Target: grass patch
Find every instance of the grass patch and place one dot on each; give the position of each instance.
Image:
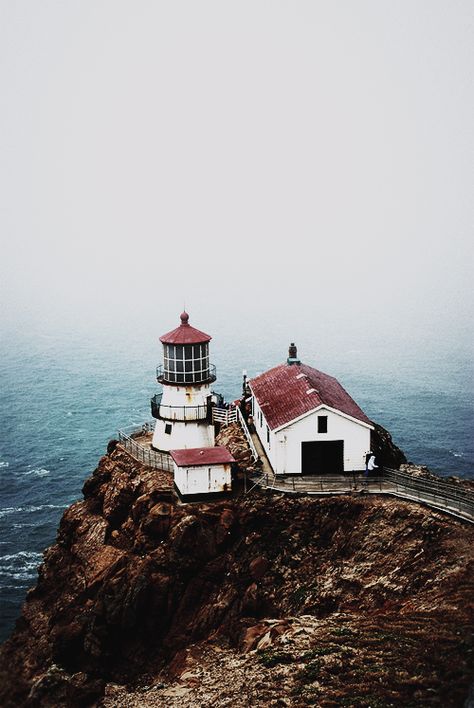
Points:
(310, 672)
(320, 651)
(270, 657)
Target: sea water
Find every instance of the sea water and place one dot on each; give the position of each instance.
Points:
(65, 395)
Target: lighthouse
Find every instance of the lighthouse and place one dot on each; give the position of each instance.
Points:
(183, 410)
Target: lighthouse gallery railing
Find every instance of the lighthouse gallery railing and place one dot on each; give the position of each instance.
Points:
(178, 413)
(185, 377)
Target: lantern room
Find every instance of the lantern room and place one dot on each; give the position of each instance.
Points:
(185, 356)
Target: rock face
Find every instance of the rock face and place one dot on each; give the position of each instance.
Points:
(387, 454)
(234, 440)
(258, 600)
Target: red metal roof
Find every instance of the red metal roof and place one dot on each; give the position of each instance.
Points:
(197, 456)
(287, 392)
(185, 334)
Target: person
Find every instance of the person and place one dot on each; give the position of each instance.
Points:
(371, 464)
(367, 458)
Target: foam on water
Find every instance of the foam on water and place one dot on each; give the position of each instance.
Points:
(41, 472)
(6, 511)
(20, 566)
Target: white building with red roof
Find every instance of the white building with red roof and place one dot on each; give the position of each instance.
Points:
(202, 473)
(183, 408)
(307, 422)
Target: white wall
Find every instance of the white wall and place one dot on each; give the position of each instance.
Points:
(287, 442)
(284, 448)
(203, 479)
(261, 428)
(185, 395)
(183, 435)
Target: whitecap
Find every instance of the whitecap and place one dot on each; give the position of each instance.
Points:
(69, 413)
(40, 472)
(456, 454)
(21, 565)
(4, 464)
(28, 509)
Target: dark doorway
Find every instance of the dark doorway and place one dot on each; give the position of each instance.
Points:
(322, 457)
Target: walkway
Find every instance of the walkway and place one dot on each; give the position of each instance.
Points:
(438, 494)
(137, 441)
(266, 467)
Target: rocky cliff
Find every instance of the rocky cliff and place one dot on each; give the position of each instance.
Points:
(257, 600)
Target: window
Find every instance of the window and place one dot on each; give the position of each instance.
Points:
(268, 435)
(192, 360)
(168, 428)
(322, 423)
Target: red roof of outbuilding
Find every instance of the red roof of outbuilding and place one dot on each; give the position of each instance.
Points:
(288, 391)
(185, 334)
(196, 456)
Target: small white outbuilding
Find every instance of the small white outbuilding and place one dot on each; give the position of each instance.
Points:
(202, 472)
(307, 422)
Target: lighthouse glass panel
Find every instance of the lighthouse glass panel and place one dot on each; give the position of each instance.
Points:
(186, 364)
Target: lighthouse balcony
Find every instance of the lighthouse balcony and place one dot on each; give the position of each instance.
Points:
(185, 377)
(179, 413)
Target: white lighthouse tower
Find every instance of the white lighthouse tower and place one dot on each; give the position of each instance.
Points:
(183, 410)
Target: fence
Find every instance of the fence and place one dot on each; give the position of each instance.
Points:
(436, 492)
(439, 494)
(225, 416)
(178, 413)
(243, 425)
(142, 453)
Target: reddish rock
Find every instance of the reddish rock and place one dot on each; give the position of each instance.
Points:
(136, 579)
(258, 567)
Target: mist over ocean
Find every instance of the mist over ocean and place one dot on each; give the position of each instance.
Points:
(65, 393)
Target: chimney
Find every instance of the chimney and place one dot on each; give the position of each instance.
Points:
(292, 355)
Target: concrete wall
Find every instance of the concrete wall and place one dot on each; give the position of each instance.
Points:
(202, 480)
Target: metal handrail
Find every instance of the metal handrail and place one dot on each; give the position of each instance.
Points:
(187, 377)
(440, 495)
(178, 413)
(138, 430)
(149, 457)
(248, 437)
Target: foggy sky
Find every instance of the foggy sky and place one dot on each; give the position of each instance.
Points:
(300, 162)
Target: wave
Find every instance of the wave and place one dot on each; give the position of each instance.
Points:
(21, 565)
(40, 472)
(28, 509)
(4, 464)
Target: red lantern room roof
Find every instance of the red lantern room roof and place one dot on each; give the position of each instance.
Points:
(185, 334)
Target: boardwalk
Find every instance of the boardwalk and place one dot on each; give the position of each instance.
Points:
(438, 494)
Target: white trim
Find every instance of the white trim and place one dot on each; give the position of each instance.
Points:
(318, 408)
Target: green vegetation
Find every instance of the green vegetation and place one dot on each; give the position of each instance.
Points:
(310, 672)
(270, 658)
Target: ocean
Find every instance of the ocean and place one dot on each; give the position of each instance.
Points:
(65, 393)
